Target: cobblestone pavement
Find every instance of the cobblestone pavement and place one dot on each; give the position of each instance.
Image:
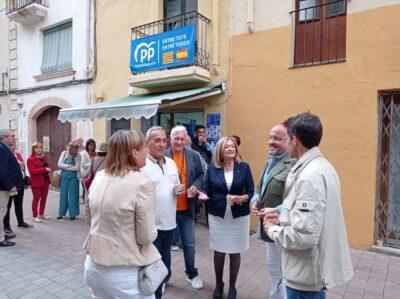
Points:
(47, 262)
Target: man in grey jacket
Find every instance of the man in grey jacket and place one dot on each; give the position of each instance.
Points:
(191, 177)
(311, 229)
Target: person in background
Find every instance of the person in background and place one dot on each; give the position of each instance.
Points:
(18, 199)
(237, 139)
(39, 169)
(200, 144)
(90, 148)
(227, 191)
(70, 165)
(11, 180)
(84, 166)
(191, 176)
(121, 212)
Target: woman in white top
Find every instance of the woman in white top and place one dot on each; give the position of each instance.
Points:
(227, 190)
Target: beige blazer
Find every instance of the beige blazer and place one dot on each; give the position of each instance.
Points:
(121, 212)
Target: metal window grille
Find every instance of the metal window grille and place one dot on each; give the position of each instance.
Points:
(14, 5)
(387, 213)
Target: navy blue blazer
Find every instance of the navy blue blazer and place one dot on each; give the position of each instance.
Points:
(215, 188)
(10, 171)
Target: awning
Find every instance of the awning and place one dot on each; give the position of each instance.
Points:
(136, 106)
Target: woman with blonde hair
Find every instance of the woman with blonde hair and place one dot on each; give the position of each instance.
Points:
(39, 169)
(121, 213)
(70, 165)
(227, 190)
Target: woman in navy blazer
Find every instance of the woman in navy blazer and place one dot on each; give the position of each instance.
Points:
(227, 189)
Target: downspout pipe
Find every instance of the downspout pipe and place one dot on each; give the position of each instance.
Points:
(250, 16)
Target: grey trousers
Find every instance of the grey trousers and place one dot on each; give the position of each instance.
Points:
(4, 196)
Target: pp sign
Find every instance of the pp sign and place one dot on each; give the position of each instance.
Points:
(171, 48)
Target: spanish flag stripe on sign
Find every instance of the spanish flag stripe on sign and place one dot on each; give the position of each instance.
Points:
(182, 54)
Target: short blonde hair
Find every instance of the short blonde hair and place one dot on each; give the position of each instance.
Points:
(35, 145)
(218, 156)
(120, 159)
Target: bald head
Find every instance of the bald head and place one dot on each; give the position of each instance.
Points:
(277, 140)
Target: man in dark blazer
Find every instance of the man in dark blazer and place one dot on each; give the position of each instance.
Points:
(269, 194)
(191, 176)
(11, 179)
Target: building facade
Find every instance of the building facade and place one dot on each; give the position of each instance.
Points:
(51, 66)
(208, 20)
(4, 99)
(339, 60)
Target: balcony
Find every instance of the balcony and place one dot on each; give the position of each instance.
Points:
(196, 72)
(26, 11)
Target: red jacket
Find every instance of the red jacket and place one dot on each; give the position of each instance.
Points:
(38, 172)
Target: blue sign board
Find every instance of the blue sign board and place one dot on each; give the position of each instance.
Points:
(213, 129)
(171, 48)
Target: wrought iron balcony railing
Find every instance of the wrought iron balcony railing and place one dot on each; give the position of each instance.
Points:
(200, 22)
(14, 5)
(320, 32)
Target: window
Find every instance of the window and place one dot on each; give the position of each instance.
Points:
(173, 8)
(189, 119)
(308, 11)
(57, 49)
(120, 124)
(320, 31)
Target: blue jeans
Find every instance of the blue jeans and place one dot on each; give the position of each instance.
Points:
(297, 294)
(175, 237)
(163, 244)
(185, 222)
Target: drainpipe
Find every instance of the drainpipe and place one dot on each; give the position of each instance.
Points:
(215, 38)
(250, 16)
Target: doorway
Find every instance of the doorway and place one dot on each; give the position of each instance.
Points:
(387, 214)
(53, 134)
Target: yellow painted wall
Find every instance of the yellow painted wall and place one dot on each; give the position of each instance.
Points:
(263, 91)
(114, 20)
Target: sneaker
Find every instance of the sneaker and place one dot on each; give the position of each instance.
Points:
(45, 217)
(175, 248)
(36, 219)
(163, 288)
(195, 282)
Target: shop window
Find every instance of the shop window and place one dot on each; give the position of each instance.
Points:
(120, 124)
(57, 49)
(320, 31)
(189, 119)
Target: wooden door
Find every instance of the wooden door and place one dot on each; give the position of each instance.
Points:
(57, 133)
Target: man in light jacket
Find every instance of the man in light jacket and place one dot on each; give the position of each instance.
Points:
(311, 229)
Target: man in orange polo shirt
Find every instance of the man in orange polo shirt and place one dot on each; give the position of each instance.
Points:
(191, 176)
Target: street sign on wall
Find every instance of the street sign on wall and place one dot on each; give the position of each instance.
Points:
(171, 48)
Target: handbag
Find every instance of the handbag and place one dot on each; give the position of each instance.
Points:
(27, 181)
(55, 182)
(150, 277)
(90, 177)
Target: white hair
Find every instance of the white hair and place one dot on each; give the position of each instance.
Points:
(151, 130)
(177, 129)
(5, 133)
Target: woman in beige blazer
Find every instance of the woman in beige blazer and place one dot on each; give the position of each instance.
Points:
(121, 212)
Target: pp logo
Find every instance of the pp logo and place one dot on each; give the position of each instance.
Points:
(145, 51)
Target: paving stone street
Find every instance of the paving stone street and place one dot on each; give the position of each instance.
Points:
(47, 262)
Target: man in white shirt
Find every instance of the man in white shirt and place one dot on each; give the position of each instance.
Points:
(163, 172)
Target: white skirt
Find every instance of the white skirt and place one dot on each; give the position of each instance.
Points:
(112, 282)
(229, 235)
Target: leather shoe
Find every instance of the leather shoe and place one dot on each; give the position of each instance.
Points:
(25, 225)
(6, 243)
(9, 236)
(8, 231)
